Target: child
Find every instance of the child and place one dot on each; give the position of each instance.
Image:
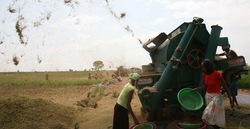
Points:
(213, 80)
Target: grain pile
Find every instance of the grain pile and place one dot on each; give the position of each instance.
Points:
(25, 113)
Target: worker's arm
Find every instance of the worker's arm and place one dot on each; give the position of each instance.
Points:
(130, 96)
(232, 54)
(200, 88)
(221, 54)
(224, 85)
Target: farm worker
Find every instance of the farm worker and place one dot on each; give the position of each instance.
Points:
(234, 89)
(89, 76)
(229, 75)
(213, 81)
(123, 105)
(230, 72)
(227, 52)
(47, 76)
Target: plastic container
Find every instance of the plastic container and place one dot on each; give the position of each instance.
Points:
(189, 125)
(148, 125)
(189, 99)
(186, 125)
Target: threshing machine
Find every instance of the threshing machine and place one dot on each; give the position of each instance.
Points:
(176, 64)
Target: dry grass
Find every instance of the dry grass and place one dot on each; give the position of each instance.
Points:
(238, 118)
(92, 97)
(25, 113)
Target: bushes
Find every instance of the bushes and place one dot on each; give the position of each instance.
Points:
(244, 82)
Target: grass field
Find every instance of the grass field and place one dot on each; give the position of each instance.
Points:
(70, 78)
(244, 82)
(53, 78)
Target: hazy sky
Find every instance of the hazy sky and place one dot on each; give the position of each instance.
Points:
(72, 34)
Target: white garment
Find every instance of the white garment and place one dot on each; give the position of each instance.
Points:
(214, 113)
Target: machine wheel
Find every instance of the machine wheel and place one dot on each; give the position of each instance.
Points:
(194, 58)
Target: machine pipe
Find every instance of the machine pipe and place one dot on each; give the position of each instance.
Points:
(213, 42)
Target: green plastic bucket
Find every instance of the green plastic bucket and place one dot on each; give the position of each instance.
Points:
(181, 124)
(189, 125)
(189, 99)
(144, 126)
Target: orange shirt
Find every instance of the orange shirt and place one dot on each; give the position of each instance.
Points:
(212, 82)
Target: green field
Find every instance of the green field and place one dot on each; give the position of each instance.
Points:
(54, 78)
(71, 78)
(244, 82)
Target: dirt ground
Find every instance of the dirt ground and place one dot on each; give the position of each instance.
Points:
(66, 97)
(60, 106)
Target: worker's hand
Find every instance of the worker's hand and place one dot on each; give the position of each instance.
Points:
(195, 89)
(136, 121)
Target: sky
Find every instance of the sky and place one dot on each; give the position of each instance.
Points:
(60, 35)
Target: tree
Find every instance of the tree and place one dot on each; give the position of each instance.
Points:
(122, 71)
(98, 65)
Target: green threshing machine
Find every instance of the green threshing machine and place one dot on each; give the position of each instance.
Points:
(176, 64)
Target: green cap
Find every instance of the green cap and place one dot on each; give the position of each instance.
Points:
(134, 76)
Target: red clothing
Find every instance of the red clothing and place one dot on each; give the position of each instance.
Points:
(212, 82)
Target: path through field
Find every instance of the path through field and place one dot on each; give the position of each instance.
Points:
(243, 98)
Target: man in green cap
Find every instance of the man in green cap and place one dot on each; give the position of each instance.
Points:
(123, 105)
